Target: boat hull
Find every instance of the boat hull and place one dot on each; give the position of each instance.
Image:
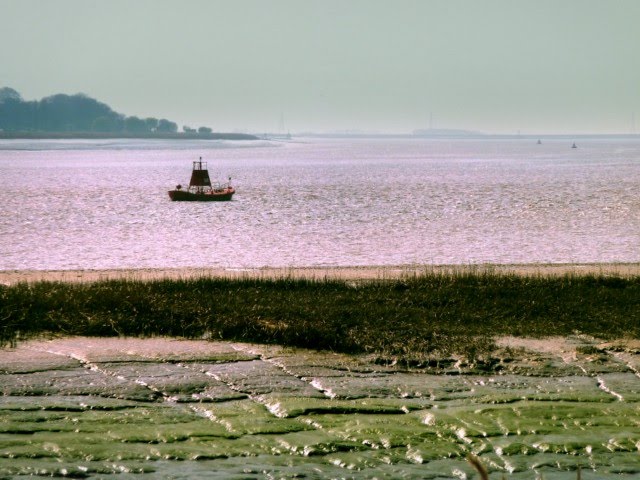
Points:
(185, 196)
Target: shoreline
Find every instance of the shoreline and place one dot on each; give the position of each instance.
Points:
(389, 272)
(125, 136)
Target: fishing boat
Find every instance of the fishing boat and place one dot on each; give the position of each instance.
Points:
(201, 189)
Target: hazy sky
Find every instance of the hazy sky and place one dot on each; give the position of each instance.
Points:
(535, 66)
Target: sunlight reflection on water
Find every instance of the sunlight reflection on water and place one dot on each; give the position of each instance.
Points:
(69, 205)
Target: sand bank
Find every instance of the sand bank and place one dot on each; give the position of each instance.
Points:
(9, 277)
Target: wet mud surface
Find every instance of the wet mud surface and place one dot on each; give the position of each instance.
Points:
(164, 408)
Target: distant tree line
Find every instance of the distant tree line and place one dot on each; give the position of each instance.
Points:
(73, 113)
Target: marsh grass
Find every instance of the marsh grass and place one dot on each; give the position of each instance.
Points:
(410, 319)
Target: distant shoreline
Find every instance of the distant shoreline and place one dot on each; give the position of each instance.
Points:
(119, 135)
(347, 273)
(474, 136)
(247, 136)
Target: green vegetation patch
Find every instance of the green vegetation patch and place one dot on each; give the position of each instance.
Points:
(407, 320)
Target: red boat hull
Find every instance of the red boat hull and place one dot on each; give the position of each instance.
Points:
(213, 196)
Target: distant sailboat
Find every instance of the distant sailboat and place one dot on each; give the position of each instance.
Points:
(539, 142)
(574, 145)
(280, 135)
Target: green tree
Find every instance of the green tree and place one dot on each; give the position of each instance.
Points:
(135, 125)
(7, 93)
(107, 123)
(165, 126)
(152, 124)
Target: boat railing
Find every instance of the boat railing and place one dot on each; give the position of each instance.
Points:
(199, 165)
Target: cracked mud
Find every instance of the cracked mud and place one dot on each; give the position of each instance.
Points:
(165, 408)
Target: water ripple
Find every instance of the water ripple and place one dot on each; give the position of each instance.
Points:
(377, 202)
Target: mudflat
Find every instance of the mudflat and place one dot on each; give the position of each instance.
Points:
(9, 277)
(166, 408)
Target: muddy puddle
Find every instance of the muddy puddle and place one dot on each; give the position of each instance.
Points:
(164, 408)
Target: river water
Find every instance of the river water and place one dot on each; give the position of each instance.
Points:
(319, 202)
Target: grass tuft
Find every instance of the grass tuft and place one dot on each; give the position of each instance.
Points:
(409, 320)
